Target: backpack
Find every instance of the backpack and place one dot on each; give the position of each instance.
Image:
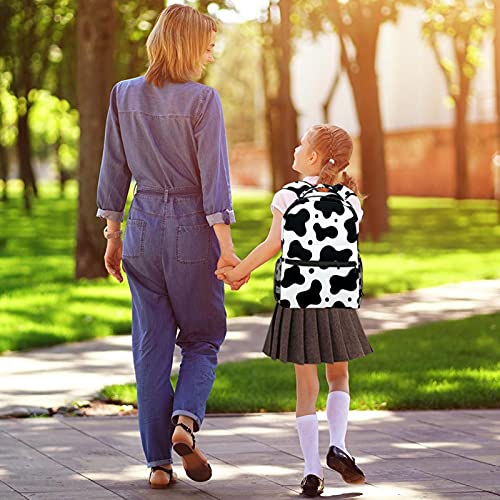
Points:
(320, 265)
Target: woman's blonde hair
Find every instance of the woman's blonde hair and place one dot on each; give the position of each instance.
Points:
(177, 43)
(334, 147)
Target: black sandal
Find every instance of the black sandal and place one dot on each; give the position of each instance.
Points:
(171, 478)
(195, 463)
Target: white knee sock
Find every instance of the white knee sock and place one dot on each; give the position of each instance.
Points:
(307, 428)
(337, 413)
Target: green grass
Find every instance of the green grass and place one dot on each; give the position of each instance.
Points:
(433, 241)
(448, 364)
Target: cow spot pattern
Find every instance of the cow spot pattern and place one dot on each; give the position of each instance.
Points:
(349, 282)
(297, 222)
(331, 254)
(292, 276)
(297, 251)
(311, 296)
(320, 227)
(328, 206)
(323, 233)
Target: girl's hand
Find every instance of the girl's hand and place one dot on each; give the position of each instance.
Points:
(231, 275)
(113, 258)
(221, 272)
(236, 284)
(230, 260)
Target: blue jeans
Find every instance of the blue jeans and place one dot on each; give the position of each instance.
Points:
(170, 254)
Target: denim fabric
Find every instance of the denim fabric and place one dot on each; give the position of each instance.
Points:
(172, 141)
(169, 254)
(171, 136)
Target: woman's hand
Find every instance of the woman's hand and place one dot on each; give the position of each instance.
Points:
(113, 258)
(228, 274)
(231, 260)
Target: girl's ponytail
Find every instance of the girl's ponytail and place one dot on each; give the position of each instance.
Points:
(334, 145)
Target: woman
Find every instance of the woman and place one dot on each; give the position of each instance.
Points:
(167, 131)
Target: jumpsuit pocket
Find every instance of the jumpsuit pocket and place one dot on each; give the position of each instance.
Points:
(193, 243)
(133, 244)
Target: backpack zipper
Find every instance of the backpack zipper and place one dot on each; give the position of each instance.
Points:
(320, 263)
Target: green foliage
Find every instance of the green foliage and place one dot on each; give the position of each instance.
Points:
(353, 17)
(136, 19)
(53, 124)
(31, 48)
(448, 364)
(464, 25)
(8, 110)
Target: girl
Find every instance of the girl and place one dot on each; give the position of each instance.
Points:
(295, 335)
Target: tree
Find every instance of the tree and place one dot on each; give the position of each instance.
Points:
(136, 19)
(96, 28)
(280, 113)
(357, 24)
(29, 52)
(464, 25)
(496, 28)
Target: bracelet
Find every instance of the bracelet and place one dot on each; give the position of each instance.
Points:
(112, 236)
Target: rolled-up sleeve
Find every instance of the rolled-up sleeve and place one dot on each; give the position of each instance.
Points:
(115, 176)
(213, 163)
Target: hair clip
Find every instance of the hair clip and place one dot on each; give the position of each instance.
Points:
(332, 161)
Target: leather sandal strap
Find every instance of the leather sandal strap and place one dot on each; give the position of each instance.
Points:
(189, 431)
(170, 472)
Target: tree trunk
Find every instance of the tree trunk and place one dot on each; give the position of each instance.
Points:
(286, 119)
(460, 132)
(96, 33)
(24, 155)
(157, 5)
(331, 91)
(363, 79)
(270, 110)
(62, 173)
(281, 116)
(460, 140)
(496, 30)
(4, 171)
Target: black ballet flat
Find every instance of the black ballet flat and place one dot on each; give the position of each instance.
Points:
(312, 486)
(345, 465)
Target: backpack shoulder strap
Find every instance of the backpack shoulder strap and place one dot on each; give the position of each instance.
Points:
(344, 191)
(298, 188)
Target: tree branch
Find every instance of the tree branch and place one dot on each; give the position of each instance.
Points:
(447, 76)
(333, 88)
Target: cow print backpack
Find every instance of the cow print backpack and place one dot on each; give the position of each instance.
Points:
(320, 264)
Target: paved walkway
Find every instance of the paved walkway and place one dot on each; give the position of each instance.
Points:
(405, 455)
(58, 375)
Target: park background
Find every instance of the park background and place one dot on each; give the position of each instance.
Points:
(416, 83)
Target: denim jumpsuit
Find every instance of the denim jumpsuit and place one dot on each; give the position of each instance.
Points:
(172, 141)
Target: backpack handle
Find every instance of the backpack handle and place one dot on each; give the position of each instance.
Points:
(332, 189)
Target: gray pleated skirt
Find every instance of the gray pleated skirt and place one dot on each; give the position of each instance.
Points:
(313, 336)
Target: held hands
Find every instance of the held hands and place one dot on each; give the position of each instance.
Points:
(225, 272)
